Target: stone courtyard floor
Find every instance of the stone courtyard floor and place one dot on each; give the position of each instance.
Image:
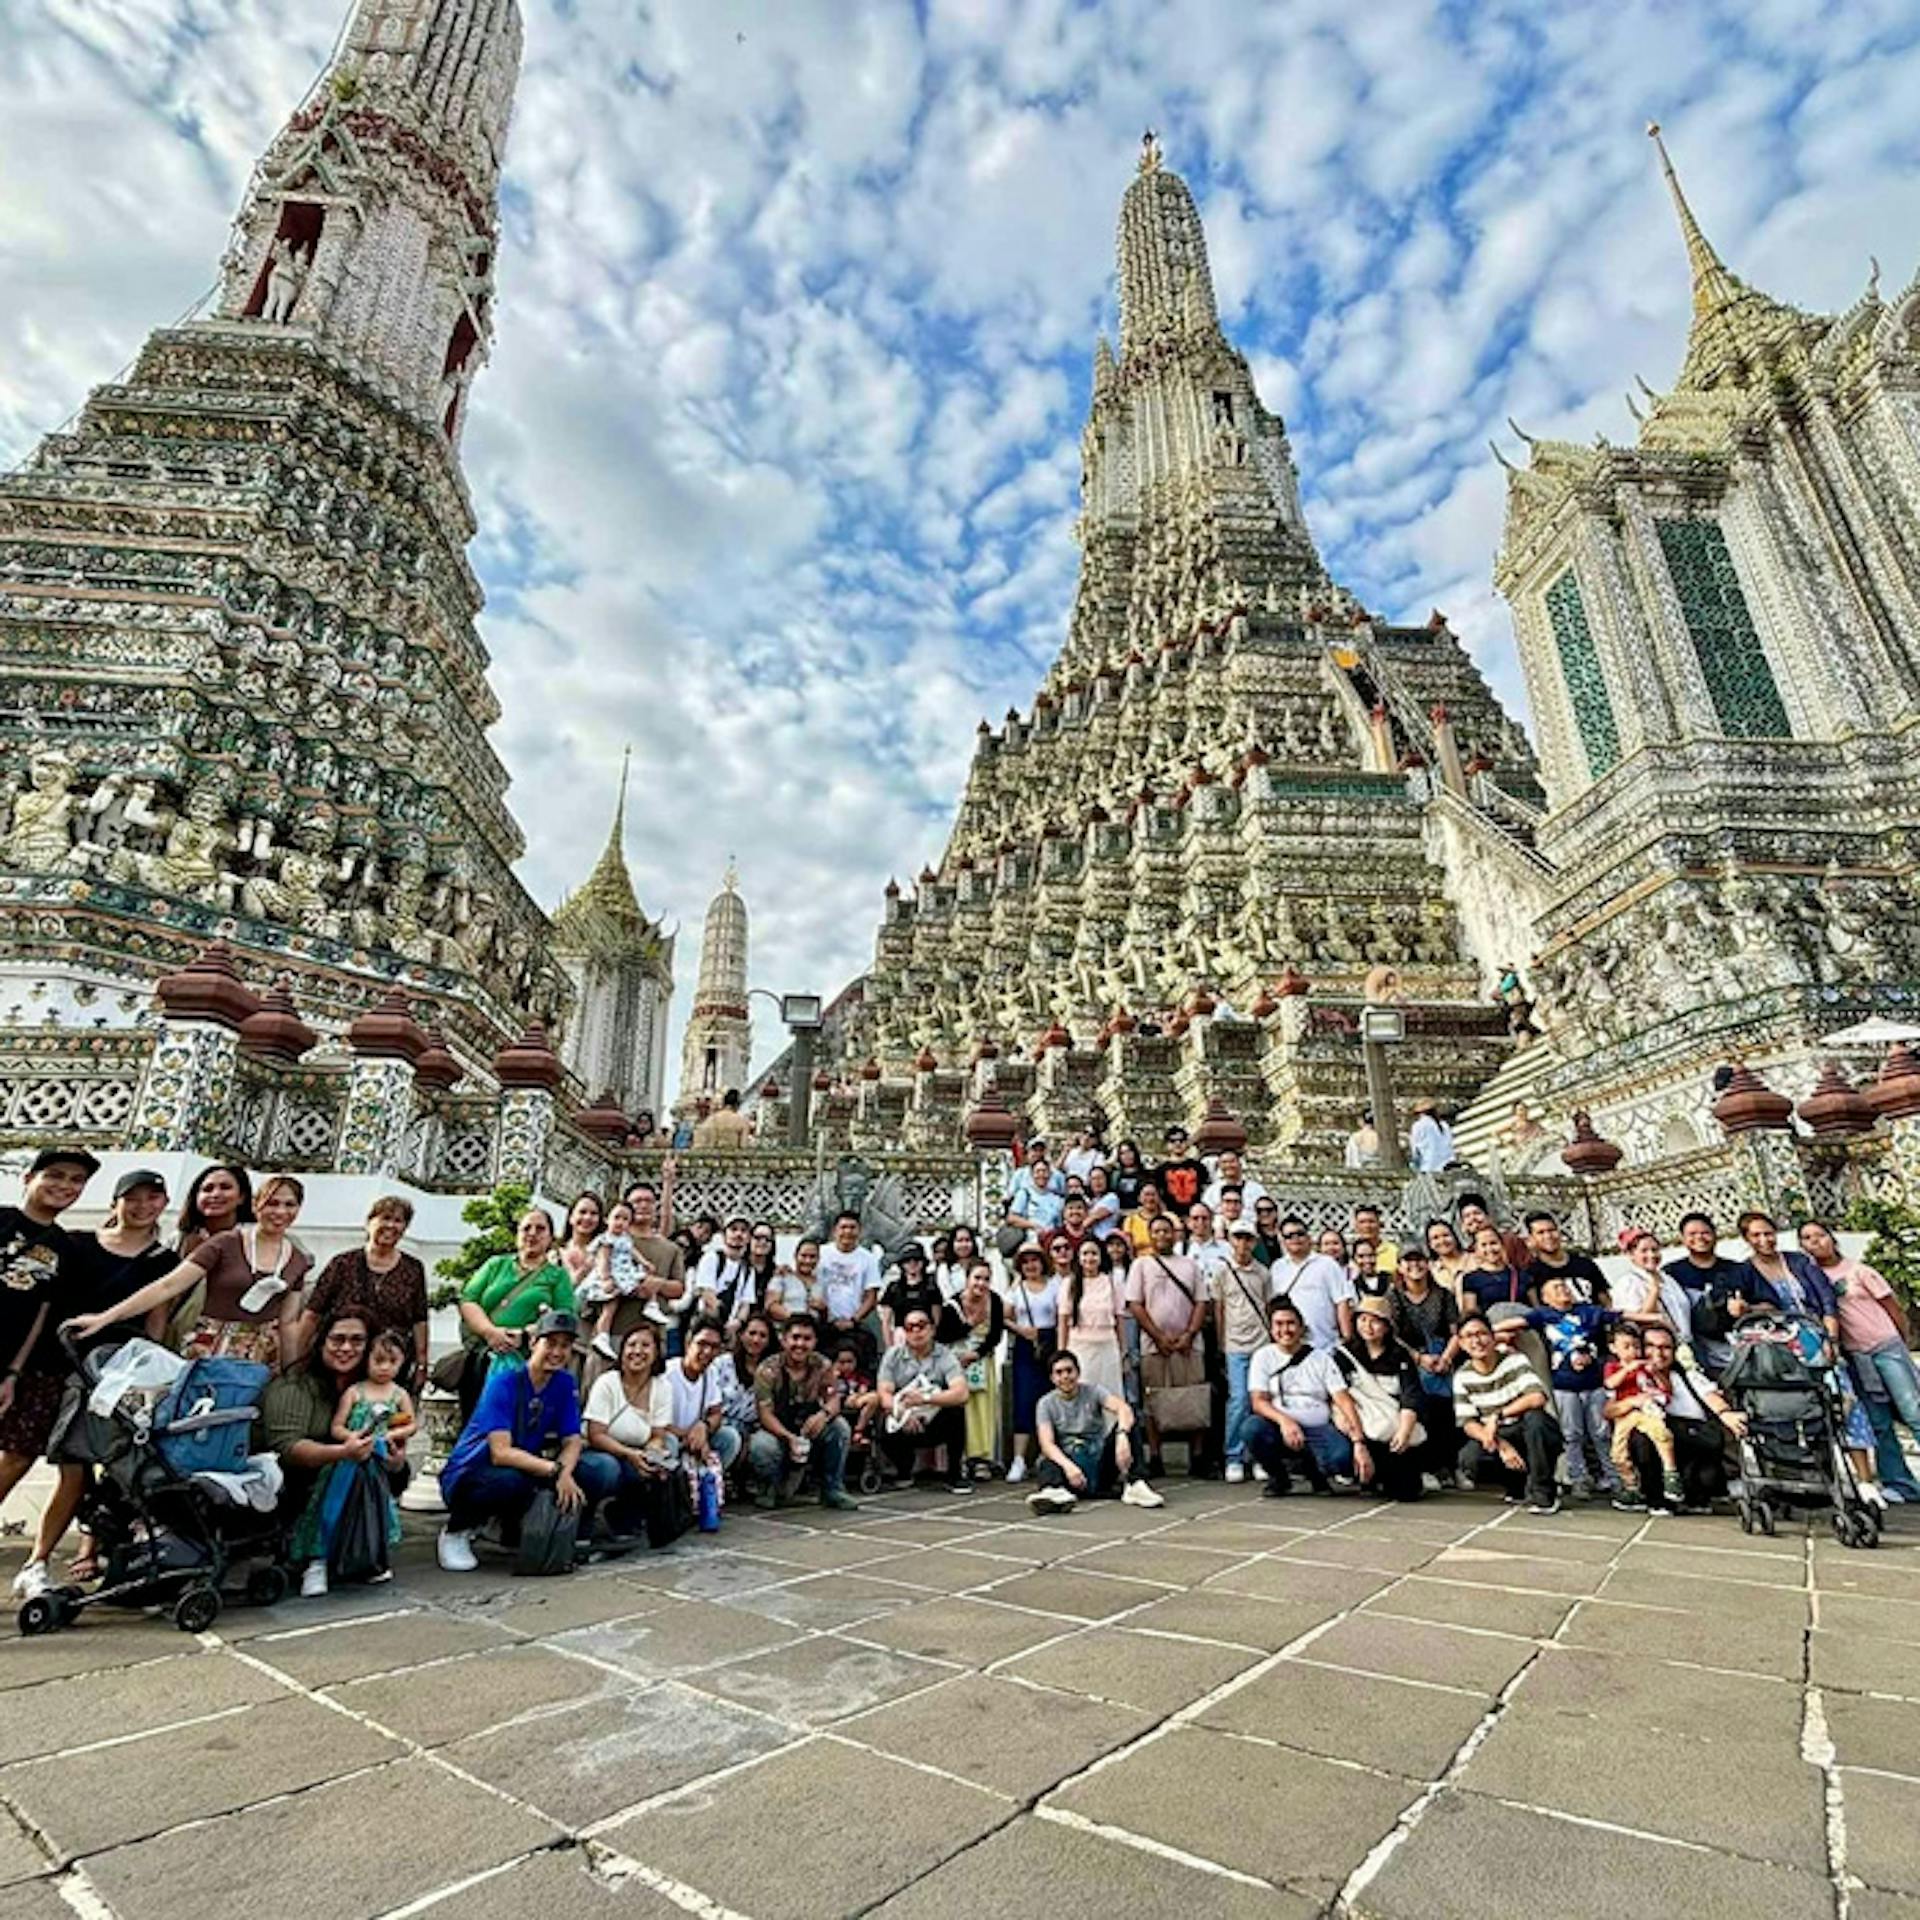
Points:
(936, 1707)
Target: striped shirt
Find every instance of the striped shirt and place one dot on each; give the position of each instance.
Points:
(1484, 1396)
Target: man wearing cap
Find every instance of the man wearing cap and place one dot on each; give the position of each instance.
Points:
(1241, 1289)
(33, 1248)
(525, 1434)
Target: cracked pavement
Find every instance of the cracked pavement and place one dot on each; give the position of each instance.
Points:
(935, 1706)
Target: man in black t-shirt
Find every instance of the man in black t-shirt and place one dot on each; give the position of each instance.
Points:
(1180, 1177)
(1710, 1282)
(32, 1245)
(1550, 1258)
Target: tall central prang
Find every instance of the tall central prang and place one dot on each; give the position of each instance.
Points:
(1216, 798)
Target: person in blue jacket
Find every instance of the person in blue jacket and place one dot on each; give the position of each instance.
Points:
(1575, 1333)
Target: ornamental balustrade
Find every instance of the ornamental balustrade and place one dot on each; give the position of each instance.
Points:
(69, 1086)
(287, 1118)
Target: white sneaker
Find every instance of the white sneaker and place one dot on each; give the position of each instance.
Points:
(657, 1314)
(456, 1551)
(1259, 1473)
(1236, 1475)
(32, 1580)
(313, 1582)
(1432, 1483)
(1017, 1472)
(1139, 1494)
(1051, 1500)
(1873, 1493)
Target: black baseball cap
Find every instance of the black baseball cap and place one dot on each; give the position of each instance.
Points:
(556, 1320)
(63, 1157)
(136, 1178)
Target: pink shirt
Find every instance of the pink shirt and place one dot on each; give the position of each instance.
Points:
(1864, 1322)
(1099, 1305)
(1155, 1282)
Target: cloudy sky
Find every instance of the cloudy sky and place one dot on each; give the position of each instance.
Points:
(776, 458)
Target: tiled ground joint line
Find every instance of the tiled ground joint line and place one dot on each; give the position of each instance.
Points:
(1817, 1749)
(1186, 1716)
(1403, 1829)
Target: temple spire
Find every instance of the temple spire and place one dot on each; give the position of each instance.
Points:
(606, 910)
(1166, 287)
(1713, 285)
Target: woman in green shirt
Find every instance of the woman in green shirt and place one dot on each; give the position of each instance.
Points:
(505, 1298)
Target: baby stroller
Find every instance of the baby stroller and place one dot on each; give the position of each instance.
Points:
(1793, 1455)
(174, 1502)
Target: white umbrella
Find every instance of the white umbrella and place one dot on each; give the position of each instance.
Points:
(1872, 1033)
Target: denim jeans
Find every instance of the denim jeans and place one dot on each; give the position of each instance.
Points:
(1889, 1459)
(1327, 1451)
(1239, 1406)
(1581, 1419)
(771, 1465)
(1096, 1457)
(486, 1492)
(1889, 1373)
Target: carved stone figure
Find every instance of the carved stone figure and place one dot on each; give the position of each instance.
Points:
(286, 275)
(192, 863)
(853, 1187)
(40, 838)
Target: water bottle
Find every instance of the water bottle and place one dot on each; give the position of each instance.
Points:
(709, 1500)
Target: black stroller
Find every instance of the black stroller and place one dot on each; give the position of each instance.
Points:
(1793, 1456)
(172, 1498)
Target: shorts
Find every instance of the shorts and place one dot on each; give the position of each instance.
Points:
(27, 1425)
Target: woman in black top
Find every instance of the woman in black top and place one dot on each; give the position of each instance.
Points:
(1386, 1387)
(912, 1285)
(97, 1270)
(1128, 1174)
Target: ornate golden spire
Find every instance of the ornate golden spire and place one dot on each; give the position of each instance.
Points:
(1713, 285)
(604, 914)
(1738, 340)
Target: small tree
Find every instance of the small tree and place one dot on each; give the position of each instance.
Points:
(495, 1219)
(1894, 1250)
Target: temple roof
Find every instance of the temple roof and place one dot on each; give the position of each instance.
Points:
(603, 916)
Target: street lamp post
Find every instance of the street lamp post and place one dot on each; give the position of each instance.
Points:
(1380, 1028)
(802, 1016)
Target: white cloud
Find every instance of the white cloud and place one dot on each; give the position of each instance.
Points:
(776, 460)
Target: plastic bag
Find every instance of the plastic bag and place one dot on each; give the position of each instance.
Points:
(140, 1366)
(548, 1537)
(357, 1546)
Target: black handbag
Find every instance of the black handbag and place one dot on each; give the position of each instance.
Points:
(549, 1538)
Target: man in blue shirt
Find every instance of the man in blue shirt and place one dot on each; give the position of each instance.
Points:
(525, 1434)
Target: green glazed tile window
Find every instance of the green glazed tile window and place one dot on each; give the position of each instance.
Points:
(1580, 669)
(1734, 664)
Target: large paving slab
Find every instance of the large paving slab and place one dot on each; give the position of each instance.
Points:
(112, 1705)
(87, 1800)
(1390, 1724)
(998, 1734)
(342, 1852)
(1041, 1869)
(1469, 1855)
(816, 1859)
(603, 1756)
(1195, 1789)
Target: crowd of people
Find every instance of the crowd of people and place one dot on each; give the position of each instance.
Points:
(633, 1374)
